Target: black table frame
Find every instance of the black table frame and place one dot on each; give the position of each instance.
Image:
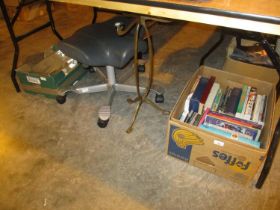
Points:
(17, 38)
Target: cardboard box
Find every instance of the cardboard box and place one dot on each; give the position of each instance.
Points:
(225, 157)
(246, 69)
(59, 90)
(49, 74)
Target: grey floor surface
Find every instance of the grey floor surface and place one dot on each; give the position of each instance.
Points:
(55, 157)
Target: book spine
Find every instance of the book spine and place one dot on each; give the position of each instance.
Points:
(193, 118)
(256, 112)
(195, 99)
(223, 101)
(245, 102)
(241, 101)
(250, 104)
(197, 120)
(211, 97)
(232, 102)
(205, 94)
(188, 116)
(229, 135)
(217, 100)
(203, 116)
(186, 108)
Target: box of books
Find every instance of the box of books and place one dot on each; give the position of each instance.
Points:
(47, 70)
(49, 73)
(222, 124)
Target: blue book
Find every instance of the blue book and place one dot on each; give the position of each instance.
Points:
(198, 92)
(230, 136)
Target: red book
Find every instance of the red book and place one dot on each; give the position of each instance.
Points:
(205, 94)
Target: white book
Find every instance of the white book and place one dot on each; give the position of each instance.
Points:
(186, 108)
(256, 111)
(211, 97)
(250, 104)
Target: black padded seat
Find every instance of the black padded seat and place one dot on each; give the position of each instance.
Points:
(99, 45)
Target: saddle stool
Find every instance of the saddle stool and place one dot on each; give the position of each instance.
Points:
(99, 45)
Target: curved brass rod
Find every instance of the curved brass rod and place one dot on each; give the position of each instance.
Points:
(130, 128)
(139, 96)
(150, 58)
(131, 101)
(163, 111)
(121, 31)
(136, 41)
(144, 97)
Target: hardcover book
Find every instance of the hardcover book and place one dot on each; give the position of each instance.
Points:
(205, 94)
(252, 132)
(257, 107)
(250, 104)
(196, 97)
(242, 115)
(217, 100)
(231, 136)
(241, 101)
(211, 97)
(222, 105)
(233, 100)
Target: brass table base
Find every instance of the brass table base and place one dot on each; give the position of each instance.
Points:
(141, 22)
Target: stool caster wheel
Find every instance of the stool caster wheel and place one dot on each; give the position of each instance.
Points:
(60, 99)
(102, 123)
(141, 68)
(104, 116)
(159, 98)
(91, 70)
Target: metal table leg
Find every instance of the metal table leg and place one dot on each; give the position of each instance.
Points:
(270, 156)
(276, 136)
(212, 49)
(16, 39)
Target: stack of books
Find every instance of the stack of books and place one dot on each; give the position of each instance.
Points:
(233, 112)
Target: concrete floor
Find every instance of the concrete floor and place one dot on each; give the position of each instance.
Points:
(55, 157)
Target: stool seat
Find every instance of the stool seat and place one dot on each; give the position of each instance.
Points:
(99, 45)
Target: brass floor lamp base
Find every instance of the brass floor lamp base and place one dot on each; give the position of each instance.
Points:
(143, 98)
(140, 101)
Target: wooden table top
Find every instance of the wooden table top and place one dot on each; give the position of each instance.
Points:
(253, 15)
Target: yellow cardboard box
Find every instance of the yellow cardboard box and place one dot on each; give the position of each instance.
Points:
(225, 157)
